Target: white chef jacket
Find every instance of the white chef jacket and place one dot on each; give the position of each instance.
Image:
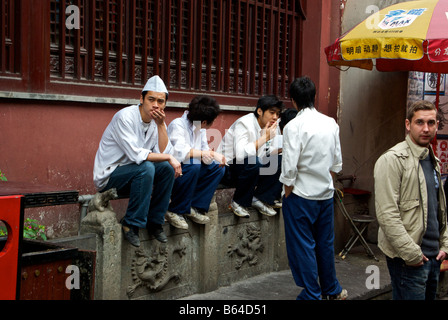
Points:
(311, 149)
(185, 136)
(127, 139)
(239, 140)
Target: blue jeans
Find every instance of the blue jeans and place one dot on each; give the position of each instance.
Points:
(309, 233)
(413, 283)
(253, 178)
(196, 187)
(148, 186)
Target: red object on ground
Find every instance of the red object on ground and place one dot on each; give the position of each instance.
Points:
(11, 214)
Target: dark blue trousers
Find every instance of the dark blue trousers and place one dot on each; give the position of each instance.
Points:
(148, 186)
(309, 233)
(196, 186)
(253, 178)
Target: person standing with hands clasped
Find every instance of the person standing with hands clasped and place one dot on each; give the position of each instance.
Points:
(133, 157)
(411, 208)
(311, 152)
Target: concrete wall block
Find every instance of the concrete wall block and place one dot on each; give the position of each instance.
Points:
(108, 264)
(246, 247)
(160, 271)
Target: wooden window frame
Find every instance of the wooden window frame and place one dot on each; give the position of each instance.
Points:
(225, 48)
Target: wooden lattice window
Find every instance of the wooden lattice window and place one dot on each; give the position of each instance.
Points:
(9, 37)
(239, 49)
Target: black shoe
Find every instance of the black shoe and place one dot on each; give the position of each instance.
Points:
(156, 230)
(130, 234)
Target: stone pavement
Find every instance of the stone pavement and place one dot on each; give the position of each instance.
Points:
(355, 274)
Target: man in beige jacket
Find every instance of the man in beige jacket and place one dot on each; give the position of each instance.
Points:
(411, 209)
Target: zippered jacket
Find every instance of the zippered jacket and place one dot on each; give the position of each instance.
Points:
(401, 202)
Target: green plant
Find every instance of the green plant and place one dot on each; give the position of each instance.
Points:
(31, 230)
(2, 176)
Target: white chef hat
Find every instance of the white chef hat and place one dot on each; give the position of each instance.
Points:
(155, 84)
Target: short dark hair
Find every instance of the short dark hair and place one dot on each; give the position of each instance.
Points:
(203, 108)
(303, 92)
(418, 106)
(268, 102)
(287, 116)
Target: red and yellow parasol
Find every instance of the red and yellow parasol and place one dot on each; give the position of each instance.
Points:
(408, 36)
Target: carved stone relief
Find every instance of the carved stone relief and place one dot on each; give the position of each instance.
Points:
(151, 269)
(248, 247)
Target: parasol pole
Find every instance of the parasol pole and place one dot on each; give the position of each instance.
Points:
(434, 141)
(438, 91)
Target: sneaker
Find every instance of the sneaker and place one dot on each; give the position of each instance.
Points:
(197, 217)
(263, 208)
(130, 234)
(156, 230)
(176, 220)
(239, 210)
(341, 296)
(277, 204)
